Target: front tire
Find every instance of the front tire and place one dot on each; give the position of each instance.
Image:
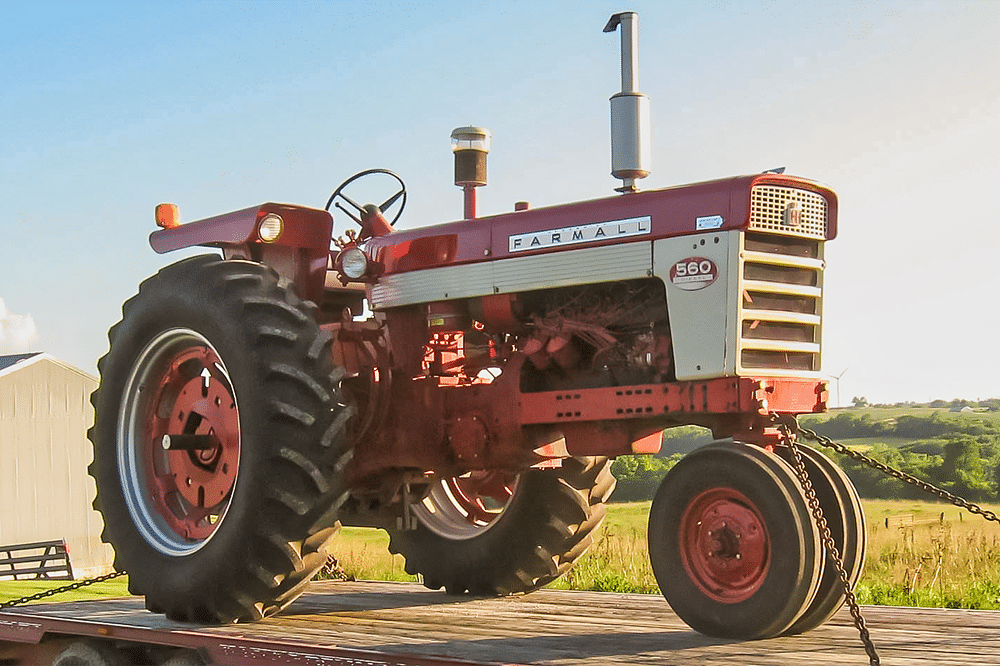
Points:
(845, 518)
(491, 534)
(218, 442)
(732, 544)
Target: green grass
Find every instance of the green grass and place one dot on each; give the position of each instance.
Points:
(364, 553)
(950, 564)
(865, 443)
(619, 559)
(627, 516)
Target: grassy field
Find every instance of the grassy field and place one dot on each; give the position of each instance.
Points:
(953, 563)
(949, 564)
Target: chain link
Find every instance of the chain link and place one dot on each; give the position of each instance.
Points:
(75, 585)
(832, 552)
(895, 473)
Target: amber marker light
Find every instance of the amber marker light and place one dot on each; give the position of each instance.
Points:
(270, 227)
(167, 216)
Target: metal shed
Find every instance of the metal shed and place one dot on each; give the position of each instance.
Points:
(45, 491)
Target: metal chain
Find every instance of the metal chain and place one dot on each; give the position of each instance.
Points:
(333, 570)
(895, 473)
(75, 585)
(789, 429)
(832, 552)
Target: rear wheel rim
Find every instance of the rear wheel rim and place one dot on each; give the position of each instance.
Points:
(463, 507)
(724, 545)
(178, 386)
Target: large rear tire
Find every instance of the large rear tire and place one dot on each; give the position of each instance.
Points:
(732, 544)
(219, 442)
(490, 533)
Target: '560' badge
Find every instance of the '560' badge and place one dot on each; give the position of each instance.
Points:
(693, 273)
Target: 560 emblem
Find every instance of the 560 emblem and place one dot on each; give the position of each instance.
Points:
(693, 273)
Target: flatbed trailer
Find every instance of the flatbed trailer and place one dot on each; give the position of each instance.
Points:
(403, 624)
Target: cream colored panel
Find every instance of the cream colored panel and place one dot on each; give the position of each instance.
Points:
(560, 269)
(782, 288)
(783, 260)
(703, 332)
(542, 271)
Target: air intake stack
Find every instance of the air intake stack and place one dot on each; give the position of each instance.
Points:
(470, 145)
(630, 147)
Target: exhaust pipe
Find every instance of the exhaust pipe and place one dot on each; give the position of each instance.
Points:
(630, 146)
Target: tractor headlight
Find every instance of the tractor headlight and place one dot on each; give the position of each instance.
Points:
(353, 263)
(270, 227)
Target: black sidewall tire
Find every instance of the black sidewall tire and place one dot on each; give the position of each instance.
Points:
(793, 572)
(845, 517)
(544, 529)
(237, 574)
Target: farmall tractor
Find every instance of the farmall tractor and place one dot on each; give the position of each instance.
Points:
(465, 386)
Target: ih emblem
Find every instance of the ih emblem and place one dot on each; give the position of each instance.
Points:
(793, 214)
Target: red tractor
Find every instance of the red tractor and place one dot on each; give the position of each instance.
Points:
(465, 386)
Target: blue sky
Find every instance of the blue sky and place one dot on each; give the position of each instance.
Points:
(111, 108)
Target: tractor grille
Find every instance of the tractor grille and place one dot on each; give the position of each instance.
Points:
(769, 211)
(781, 304)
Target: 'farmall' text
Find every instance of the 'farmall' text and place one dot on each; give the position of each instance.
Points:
(584, 233)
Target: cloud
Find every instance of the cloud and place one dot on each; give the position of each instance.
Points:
(17, 332)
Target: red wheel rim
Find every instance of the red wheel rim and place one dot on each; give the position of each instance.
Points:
(190, 487)
(179, 388)
(724, 545)
(482, 495)
(463, 507)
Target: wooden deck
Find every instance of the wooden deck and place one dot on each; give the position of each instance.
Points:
(547, 627)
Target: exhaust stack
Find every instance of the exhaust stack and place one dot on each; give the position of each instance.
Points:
(630, 146)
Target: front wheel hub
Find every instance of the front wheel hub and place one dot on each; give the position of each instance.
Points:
(724, 545)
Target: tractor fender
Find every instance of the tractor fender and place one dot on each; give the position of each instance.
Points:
(301, 252)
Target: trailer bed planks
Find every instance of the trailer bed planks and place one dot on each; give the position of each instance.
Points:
(403, 624)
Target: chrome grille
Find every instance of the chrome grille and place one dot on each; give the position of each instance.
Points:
(781, 305)
(768, 204)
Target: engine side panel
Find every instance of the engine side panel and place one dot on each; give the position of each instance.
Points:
(697, 272)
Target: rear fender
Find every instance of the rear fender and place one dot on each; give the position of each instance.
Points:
(301, 253)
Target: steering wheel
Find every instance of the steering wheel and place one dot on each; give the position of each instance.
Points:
(339, 194)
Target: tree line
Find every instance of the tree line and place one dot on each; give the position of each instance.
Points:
(960, 454)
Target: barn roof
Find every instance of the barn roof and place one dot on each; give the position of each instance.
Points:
(9, 360)
(16, 362)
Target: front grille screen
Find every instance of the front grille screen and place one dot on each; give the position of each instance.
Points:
(786, 210)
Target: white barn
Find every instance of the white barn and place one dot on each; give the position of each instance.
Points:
(45, 491)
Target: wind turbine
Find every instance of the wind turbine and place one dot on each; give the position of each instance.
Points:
(837, 377)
